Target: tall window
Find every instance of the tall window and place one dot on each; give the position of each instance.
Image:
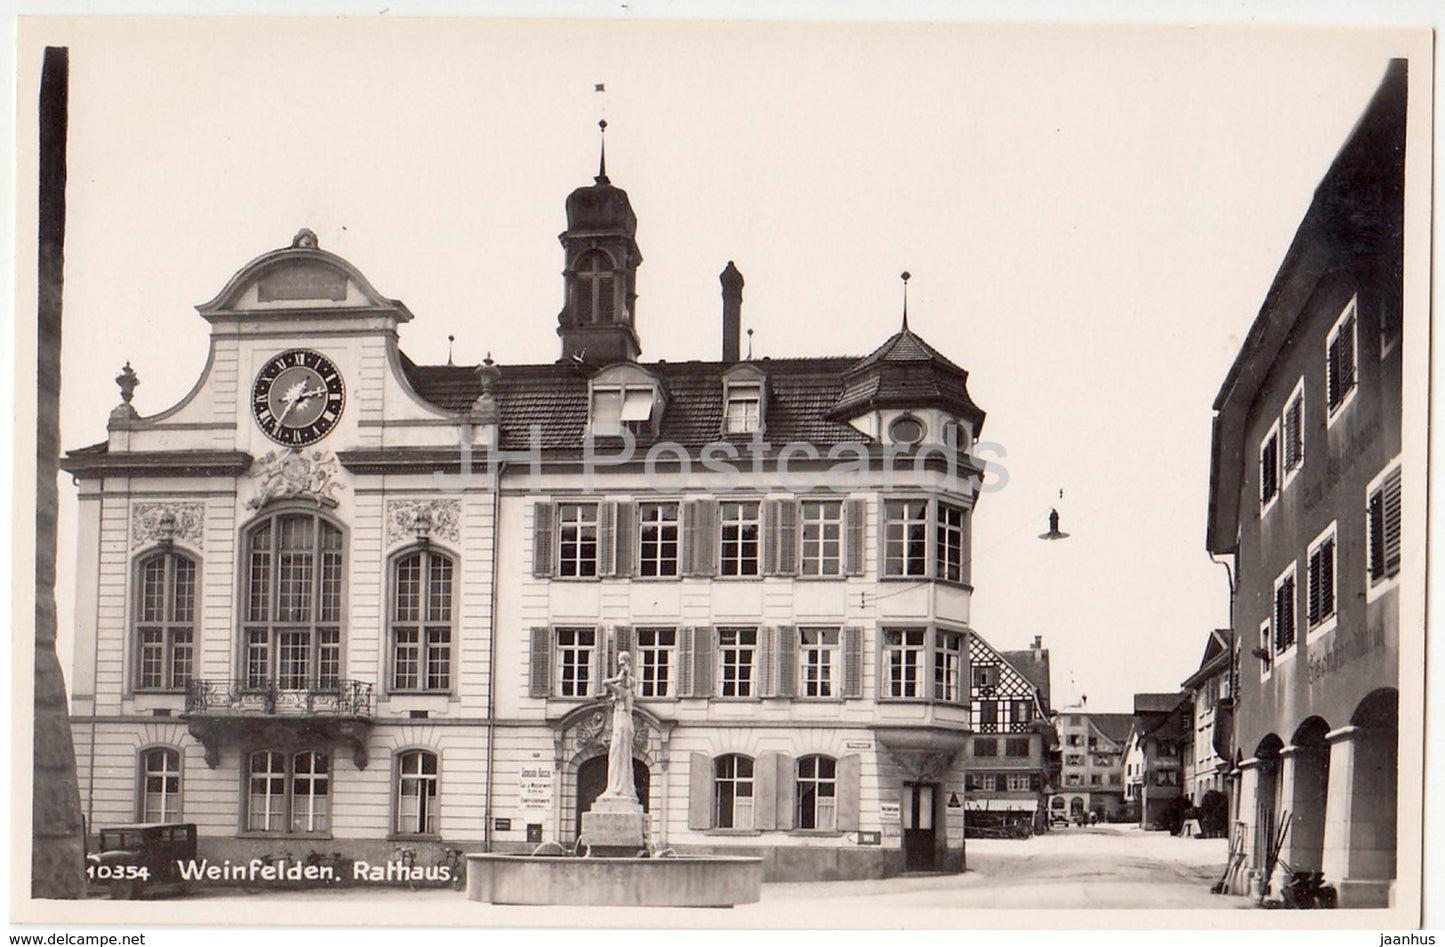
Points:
(1383, 521)
(293, 603)
(656, 650)
(288, 792)
(1284, 611)
(744, 412)
(576, 539)
(575, 649)
(1322, 579)
(740, 528)
(1340, 355)
(596, 289)
(421, 622)
(817, 793)
(416, 793)
(948, 667)
(822, 537)
(903, 659)
(166, 621)
(737, 649)
(733, 792)
(1291, 428)
(906, 538)
(1269, 467)
(818, 667)
(950, 551)
(657, 538)
(160, 799)
(1265, 651)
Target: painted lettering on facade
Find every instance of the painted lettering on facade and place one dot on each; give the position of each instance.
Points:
(1340, 464)
(1345, 649)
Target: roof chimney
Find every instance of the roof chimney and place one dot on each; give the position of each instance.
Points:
(732, 294)
(1038, 647)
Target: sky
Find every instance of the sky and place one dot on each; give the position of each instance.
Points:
(1091, 216)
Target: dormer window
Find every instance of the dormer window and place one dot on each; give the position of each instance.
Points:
(596, 289)
(626, 396)
(906, 429)
(744, 399)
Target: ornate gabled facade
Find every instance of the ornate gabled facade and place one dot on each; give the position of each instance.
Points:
(338, 599)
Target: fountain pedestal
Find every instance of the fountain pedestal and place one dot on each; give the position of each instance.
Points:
(614, 827)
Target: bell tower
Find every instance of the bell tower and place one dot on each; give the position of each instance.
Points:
(597, 323)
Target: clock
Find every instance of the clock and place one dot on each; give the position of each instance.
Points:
(298, 397)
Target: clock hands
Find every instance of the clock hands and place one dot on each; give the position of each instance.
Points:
(297, 395)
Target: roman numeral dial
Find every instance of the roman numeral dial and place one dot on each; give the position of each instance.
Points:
(298, 397)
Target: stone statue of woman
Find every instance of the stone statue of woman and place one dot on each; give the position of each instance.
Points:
(619, 753)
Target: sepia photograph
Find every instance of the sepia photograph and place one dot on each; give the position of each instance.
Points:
(625, 473)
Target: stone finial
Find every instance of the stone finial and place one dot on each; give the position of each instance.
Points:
(305, 239)
(125, 411)
(484, 409)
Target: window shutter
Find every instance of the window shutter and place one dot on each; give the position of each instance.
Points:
(1392, 522)
(702, 642)
(1375, 519)
(1313, 605)
(765, 792)
(622, 637)
(599, 662)
(699, 792)
(605, 539)
(787, 792)
(1327, 578)
(704, 537)
(540, 684)
(767, 537)
(854, 523)
(625, 558)
(849, 776)
(683, 686)
(542, 540)
(1347, 355)
(852, 662)
(787, 517)
(686, 541)
(763, 664)
(785, 683)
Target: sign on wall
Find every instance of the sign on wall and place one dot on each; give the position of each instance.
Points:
(890, 815)
(534, 788)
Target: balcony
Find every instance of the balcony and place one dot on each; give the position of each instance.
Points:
(236, 713)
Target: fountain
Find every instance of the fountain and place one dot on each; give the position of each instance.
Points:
(612, 863)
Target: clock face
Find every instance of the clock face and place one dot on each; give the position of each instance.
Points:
(298, 397)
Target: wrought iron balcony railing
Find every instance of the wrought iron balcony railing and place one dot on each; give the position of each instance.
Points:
(243, 698)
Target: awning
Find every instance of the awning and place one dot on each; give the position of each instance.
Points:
(1002, 805)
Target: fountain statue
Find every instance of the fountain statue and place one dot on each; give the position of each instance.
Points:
(616, 824)
(619, 752)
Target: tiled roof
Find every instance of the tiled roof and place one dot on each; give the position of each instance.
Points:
(800, 394)
(1113, 726)
(1037, 672)
(1157, 703)
(905, 345)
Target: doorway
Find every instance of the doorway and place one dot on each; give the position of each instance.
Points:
(592, 781)
(919, 838)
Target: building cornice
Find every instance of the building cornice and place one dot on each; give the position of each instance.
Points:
(160, 463)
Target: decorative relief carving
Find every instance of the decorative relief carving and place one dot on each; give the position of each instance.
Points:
(158, 522)
(282, 475)
(401, 519)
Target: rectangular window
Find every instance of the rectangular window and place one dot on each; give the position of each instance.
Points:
(1340, 356)
(744, 409)
(740, 530)
(161, 785)
(906, 538)
(1322, 579)
(1284, 611)
(1269, 467)
(1019, 782)
(657, 536)
(948, 667)
(950, 565)
(737, 651)
(1292, 431)
(656, 653)
(575, 649)
(1017, 747)
(822, 537)
(288, 792)
(165, 622)
(1265, 651)
(1383, 526)
(416, 793)
(819, 666)
(576, 540)
(421, 622)
(985, 746)
(732, 792)
(903, 652)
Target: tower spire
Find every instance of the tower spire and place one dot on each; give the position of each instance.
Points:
(905, 276)
(602, 158)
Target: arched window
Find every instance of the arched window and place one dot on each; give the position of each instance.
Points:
(733, 792)
(817, 793)
(421, 621)
(165, 621)
(288, 792)
(416, 793)
(160, 785)
(292, 627)
(596, 289)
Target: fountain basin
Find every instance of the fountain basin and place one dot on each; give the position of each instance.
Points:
(681, 881)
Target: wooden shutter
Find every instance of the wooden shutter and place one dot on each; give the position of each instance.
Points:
(785, 682)
(763, 664)
(699, 792)
(1391, 491)
(624, 560)
(541, 540)
(702, 651)
(682, 687)
(767, 537)
(1347, 355)
(765, 792)
(704, 544)
(850, 785)
(686, 544)
(599, 661)
(1327, 578)
(540, 684)
(787, 517)
(622, 644)
(605, 539)
(854, 523)
(852, 662)
(787, 792)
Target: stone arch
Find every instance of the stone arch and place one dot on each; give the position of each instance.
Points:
(1305, 793)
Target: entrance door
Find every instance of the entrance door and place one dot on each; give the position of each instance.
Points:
(918, 835)
(592, 782)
